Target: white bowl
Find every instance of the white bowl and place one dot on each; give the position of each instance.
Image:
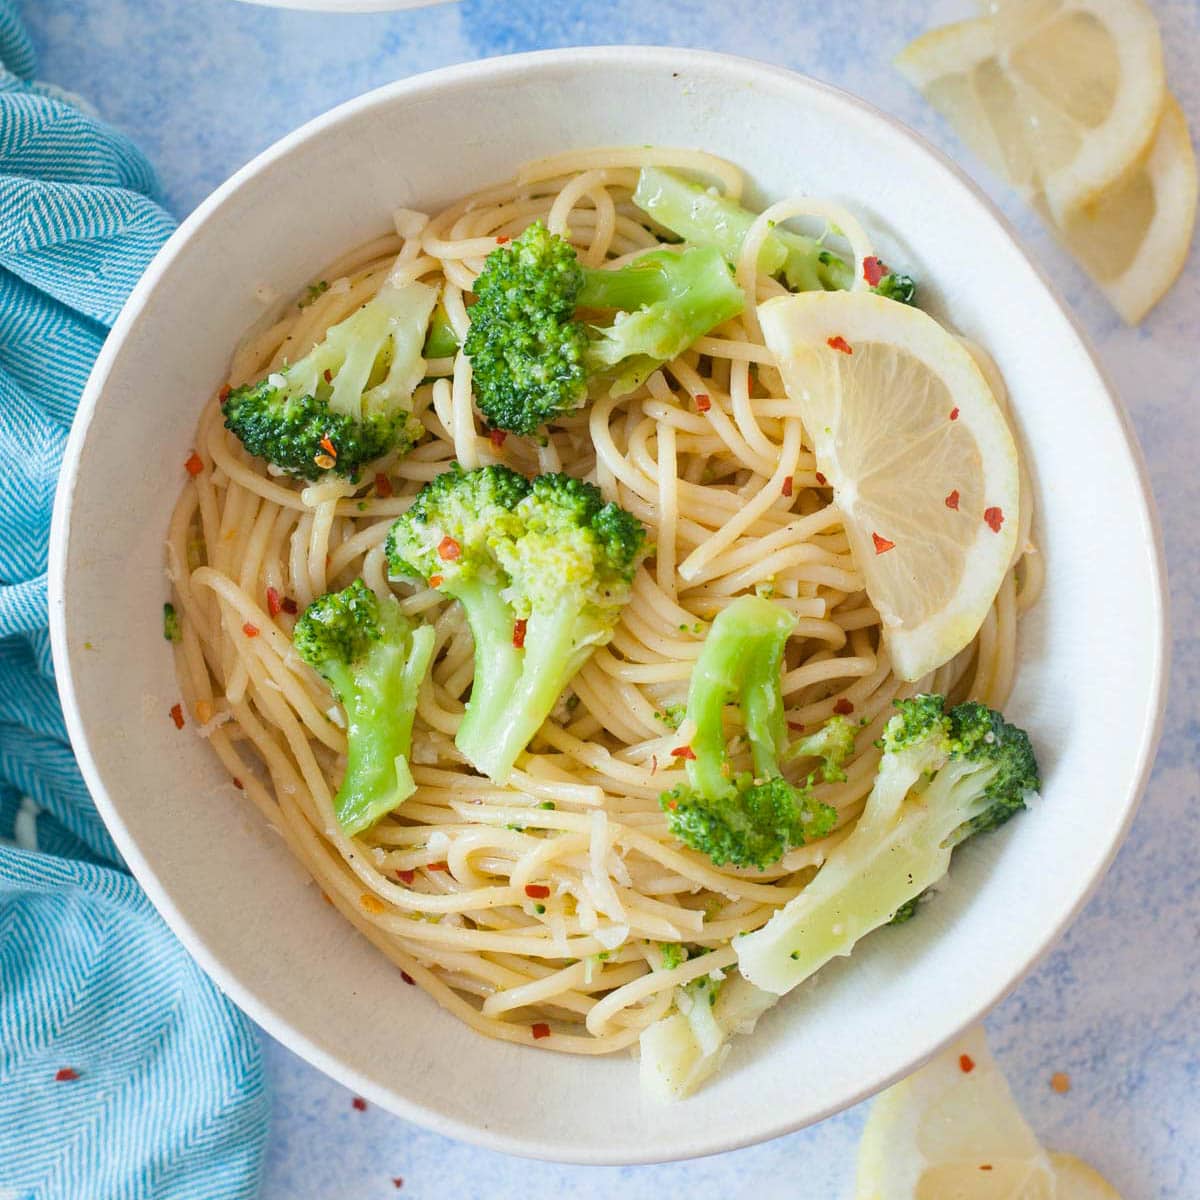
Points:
(1090, 685)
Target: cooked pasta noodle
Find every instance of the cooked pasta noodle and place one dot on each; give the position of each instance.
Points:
(533, 911)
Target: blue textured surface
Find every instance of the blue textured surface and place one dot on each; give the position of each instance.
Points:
(165, 1092)
(202, 86)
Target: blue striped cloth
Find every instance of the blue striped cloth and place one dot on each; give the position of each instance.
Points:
(123, 1072)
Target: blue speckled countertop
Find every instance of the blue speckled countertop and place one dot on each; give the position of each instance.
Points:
(203, 85)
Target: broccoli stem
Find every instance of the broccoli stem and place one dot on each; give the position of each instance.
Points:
(704, 217)
(380, 699)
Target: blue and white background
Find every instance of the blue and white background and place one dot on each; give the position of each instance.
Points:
(203, 85)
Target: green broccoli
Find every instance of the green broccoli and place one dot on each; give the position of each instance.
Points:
(833, 744)
(704, 217)
(531, 355)
(943, 777)
(172, 630)
(442, 341)
(374, 658)
(542, 569)
(744, 819)
(349, 399)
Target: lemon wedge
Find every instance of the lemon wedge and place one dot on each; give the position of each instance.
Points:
(952, 1131)
(1078, 1181)
(1134, 238)
(922, 463)
(1063, 97)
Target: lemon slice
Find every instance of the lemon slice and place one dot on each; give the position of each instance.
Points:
(952, 1131)
(1077, 1181)
(920, 458)
(1134, 239)
(1061, 96)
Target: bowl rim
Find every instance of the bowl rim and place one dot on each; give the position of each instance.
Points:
(260, 1008)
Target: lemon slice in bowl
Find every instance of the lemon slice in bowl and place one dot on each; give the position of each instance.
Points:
(921, 460)
(952, 1130)
(1061, 96)
(1134, 239)
(1078, 1181)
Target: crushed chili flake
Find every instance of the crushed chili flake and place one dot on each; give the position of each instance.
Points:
(672, 804)
(328, 446)
(787, 485)
(372, 904)
(540, 1030)
(397, 1181)
(448, 549)
(985, 1166)
(289, 606)
(274, 602)
(502, 239)
(795, 726)
(237, 783)
(408, 978)
(537, 891)
(223, 394)
(497, 436)
(966, 1064)
(683, 752)
(359, 1104)
(65, 1075)
(821, 479)
(519, 633)
(1060, 1081)
(194, 464)
(952, 500)
(438, 866)
(383, 486)
(837, 342)
(406, 876)
(882, 545)
(177, 715)
(873, 270)
(435, 581)
(993, 518)
(250, 630)
(328, 375)
(703, 403)
(843, 707)
(954, 414)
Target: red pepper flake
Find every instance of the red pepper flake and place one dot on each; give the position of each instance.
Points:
(952, 500)
(274, 602)
(795, 726)
(985, 1166)
(383, 486)
(328, 375)
(540, 1030)
(882, 545)
(177, 715)
(289, 606)
(496, 437)
(966, 1064)
(822, 480)
(683, 752)
(502, 239)
(837, 342)
(537, 891)
(787, 485)
(237, 783)
(194, 464)
(954, 414)
(435, 581)
(358, 1104)
(407, 876)
(703, 402)
(408, 979)
(250, 630)
(397, 1182)
(223, 394)
(993, 518)
(873, 270)
(448, 549)
(672, 804)
(328, 446)
(438, 866)
(519, 633)
(66, 1075)
(843, 707)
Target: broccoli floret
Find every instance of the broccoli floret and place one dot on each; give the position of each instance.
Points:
(943, 777)
(531, 355)
(747, 819)
(833, 744)
(348, 400)
(671, 715)
(672, 954)
(542, 569)
(705, 217)
(374, 658)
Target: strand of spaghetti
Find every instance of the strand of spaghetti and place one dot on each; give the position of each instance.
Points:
(571, 162)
